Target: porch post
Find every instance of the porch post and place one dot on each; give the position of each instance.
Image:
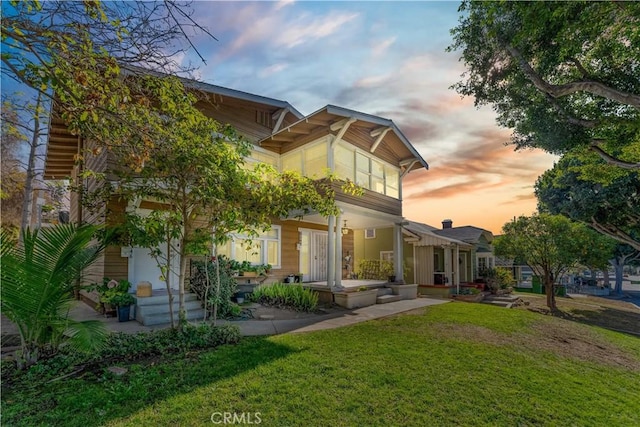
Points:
(397, 252)
(447, 264)
(338, 258)
(331, 251)
(456, 262)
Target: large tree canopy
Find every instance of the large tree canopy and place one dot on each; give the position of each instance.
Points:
(562, 75)
(611, 207)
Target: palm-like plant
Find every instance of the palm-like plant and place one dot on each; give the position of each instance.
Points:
(38, 278)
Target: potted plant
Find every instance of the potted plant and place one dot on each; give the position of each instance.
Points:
(123, 302)
(240, 297)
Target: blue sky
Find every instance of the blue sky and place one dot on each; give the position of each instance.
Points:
(388, 59)
(382, 58)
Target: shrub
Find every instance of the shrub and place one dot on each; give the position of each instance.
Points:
(205, 288)
(375, 269)
(130, 347)
(498, 278)
(286, 296)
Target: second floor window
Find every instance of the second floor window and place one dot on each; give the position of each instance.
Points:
(367, 171)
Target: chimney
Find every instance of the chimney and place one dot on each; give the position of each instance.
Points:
(447, 223)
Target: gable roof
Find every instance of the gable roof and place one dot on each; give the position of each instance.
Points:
(424, 235)
(62, 145)
(467, 233)
(366, 131)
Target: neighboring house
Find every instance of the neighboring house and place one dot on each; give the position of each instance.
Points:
(367, 149)
(481, 256)
(428, 258)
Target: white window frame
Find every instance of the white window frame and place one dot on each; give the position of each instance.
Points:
(385, 166)
(386, 256)
(264, 256)
(369, 233)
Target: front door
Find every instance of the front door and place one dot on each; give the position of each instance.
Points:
(319, 256)
(464, 268)
(143, 267)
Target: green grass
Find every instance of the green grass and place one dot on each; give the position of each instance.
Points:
(456, 364)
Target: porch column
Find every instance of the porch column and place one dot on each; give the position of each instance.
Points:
(456, 263)
(331, 251)
(447, 264)
(339, 250)
(397, 253)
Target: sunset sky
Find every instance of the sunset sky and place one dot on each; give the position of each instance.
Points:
(382, 58)
(387, 59)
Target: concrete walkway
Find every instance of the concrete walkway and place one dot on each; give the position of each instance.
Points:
(82, 311)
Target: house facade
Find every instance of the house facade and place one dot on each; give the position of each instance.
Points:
(369, 150)
(428, 258)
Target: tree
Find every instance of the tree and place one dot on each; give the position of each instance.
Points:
(84, 56)
(548, 244)
(24, 119)
(38, 277)
(564, 75)
(611, 207)
(11, 174)
(596, 251)
(623, 255)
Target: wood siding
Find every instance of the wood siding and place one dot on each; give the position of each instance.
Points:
(371, 200)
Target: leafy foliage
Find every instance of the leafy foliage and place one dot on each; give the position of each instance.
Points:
(548, 244)
(611, 207)
(286, 296)
(497, 278)
(38, 278)
(375, 269)
(119, 347)
(563, 75)
(203, 283)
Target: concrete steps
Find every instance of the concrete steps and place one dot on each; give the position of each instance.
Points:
(384, 299)
(506, 301)
(384, 291)
(155, 310)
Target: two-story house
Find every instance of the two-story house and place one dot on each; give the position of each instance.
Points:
(370, 150)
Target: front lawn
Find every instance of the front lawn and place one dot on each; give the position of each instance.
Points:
(451, 364)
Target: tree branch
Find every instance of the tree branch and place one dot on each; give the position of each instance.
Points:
(612, 160)
(615, 233)
(558, 91)
(589, 124)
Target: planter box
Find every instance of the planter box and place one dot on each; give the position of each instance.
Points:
(441, 291)
(469, 298)
(356, 299)
(249, 274)
(405, 291)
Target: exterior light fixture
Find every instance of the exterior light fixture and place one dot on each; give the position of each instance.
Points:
(345, 230)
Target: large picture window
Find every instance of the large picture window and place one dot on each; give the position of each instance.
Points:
(264, 249)
(367, 171)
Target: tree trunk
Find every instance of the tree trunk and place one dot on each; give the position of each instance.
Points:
(182, 314)
(27, 203)
(619, 268)
(167, 279)
(607, 280)
(549, 292)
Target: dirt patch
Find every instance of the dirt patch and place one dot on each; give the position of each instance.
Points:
(615, 315)
(565, 339)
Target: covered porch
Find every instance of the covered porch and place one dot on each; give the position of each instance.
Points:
(442, 264)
